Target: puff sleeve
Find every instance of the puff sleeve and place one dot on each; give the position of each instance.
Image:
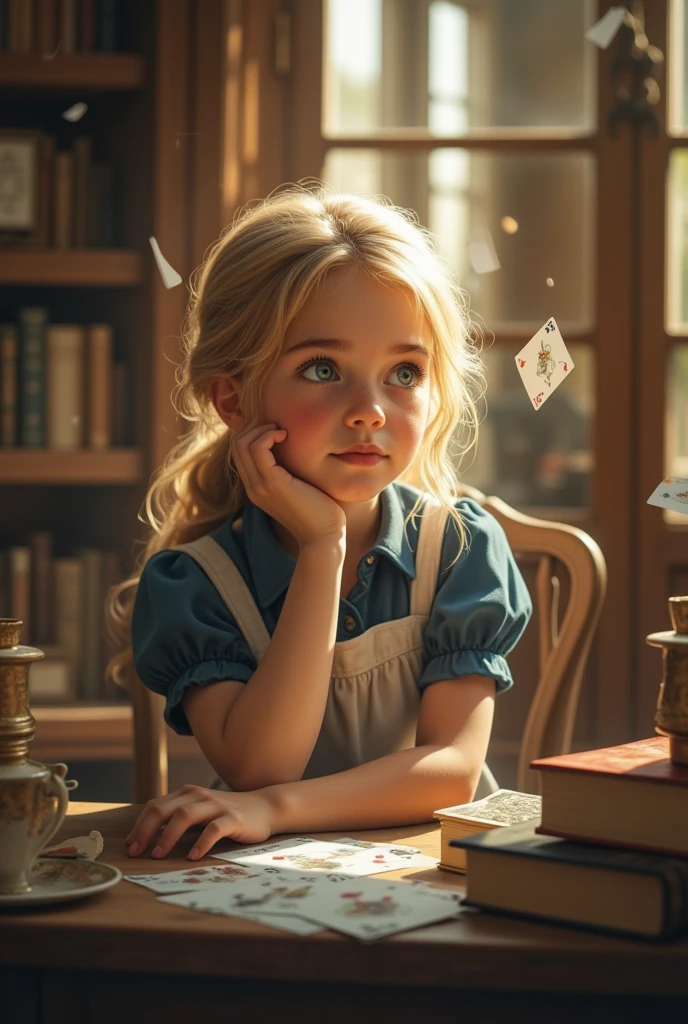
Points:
(183, 634)
(481, 606)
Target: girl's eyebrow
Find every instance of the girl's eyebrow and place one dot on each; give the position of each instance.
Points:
(342, 345)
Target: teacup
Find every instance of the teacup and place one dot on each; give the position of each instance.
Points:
(33, 805)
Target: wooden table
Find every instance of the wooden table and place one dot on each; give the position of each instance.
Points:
(124, 958)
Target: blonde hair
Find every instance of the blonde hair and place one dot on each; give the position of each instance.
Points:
(252, 283)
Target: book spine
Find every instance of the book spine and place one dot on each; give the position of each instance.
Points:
(5, 591)
(82, 150)
(87, 25)
(62, 226)
(8, 385)
(20, 589)
(99, 385)
(68, 32)
(68, 599)
(120, 432)
(46, 27)
(91, 651)
(4, 25)
(32, 324)
(107, 25)
(41, 548)
(65, 386)
(110, 578)
(46, 190)
(21, 26)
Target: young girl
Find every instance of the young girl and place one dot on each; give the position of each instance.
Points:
(332, 635)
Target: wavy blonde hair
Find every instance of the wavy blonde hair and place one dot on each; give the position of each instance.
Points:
(252, 283)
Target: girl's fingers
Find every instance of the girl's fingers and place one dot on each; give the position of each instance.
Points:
(155, 814)
(183, 818)
(219, 828)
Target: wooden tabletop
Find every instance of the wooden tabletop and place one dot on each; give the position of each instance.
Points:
(127, 929)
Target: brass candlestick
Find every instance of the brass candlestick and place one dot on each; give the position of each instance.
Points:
(671, 717)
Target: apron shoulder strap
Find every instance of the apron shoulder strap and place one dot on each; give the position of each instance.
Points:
(432, 527)
(223, 573)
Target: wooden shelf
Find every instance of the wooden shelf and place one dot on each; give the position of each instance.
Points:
(88, 72)
(86, 268)
(88, 466)
(93, 732)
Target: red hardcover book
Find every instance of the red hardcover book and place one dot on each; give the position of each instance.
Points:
(631, 795)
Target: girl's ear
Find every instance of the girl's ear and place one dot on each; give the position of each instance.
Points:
(225, 394)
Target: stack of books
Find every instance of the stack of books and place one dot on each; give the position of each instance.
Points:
(610, 852)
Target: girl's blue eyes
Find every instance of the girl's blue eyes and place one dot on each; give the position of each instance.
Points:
(420, 373)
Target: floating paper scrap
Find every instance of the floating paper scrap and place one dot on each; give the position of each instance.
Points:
(170, 277)
(482, 253)
(76, 112)
(80, 848)
(604, 30)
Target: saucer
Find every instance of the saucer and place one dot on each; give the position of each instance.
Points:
(57, 880)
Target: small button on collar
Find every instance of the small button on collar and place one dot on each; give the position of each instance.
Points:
(350, 623)
(370, 559)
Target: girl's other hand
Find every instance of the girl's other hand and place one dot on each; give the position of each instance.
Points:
(244, 817)
(307, 513)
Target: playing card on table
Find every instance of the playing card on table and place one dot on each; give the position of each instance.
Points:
(351, 857)
(365, 908)
(544, 363)
(191, 879)
(214, 901)
(671, 493)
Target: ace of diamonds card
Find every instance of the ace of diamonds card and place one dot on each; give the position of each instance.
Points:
(544, 363)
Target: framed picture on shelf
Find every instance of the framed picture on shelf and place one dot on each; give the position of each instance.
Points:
(20, 207)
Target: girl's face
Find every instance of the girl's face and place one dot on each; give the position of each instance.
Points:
(354, 370)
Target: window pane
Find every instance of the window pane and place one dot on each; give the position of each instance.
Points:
(535, 458)
(538, 209)
(678, 70)
(677, 243)
(450, 67)
(676, 425)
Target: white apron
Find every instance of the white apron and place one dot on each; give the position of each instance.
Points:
(373, 702)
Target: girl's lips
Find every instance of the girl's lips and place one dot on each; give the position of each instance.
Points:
(361, 459)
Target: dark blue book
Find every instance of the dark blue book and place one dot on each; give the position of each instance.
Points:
(513, 870)
(4, 24)
(32, 323)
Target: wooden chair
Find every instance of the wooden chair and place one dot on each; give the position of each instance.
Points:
(563, 650)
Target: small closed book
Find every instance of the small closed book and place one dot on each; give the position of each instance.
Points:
(514, 870)
(504, 807)
(631, 795)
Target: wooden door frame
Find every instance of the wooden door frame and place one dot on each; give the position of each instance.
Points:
(660, 546)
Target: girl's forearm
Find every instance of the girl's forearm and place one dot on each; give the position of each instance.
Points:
(399, 789)
(272, 727)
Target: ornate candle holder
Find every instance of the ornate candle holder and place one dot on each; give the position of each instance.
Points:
(671, 717)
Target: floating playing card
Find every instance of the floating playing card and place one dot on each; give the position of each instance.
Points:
(347, 856)
(191, 879)
(604, 30)
(671, 493)
(76, 112)
(543, 363)
(482, 253)
(170, 277)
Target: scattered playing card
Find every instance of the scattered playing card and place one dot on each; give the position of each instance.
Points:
(191, 879)
(604, 30)
(216, 902)
(170, 277)
(76, 112)
(482, 253)
(543, 363)
(671, 493)
(349, 857)
(364, 908)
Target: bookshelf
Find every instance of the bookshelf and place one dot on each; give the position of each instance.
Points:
(145, 108)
